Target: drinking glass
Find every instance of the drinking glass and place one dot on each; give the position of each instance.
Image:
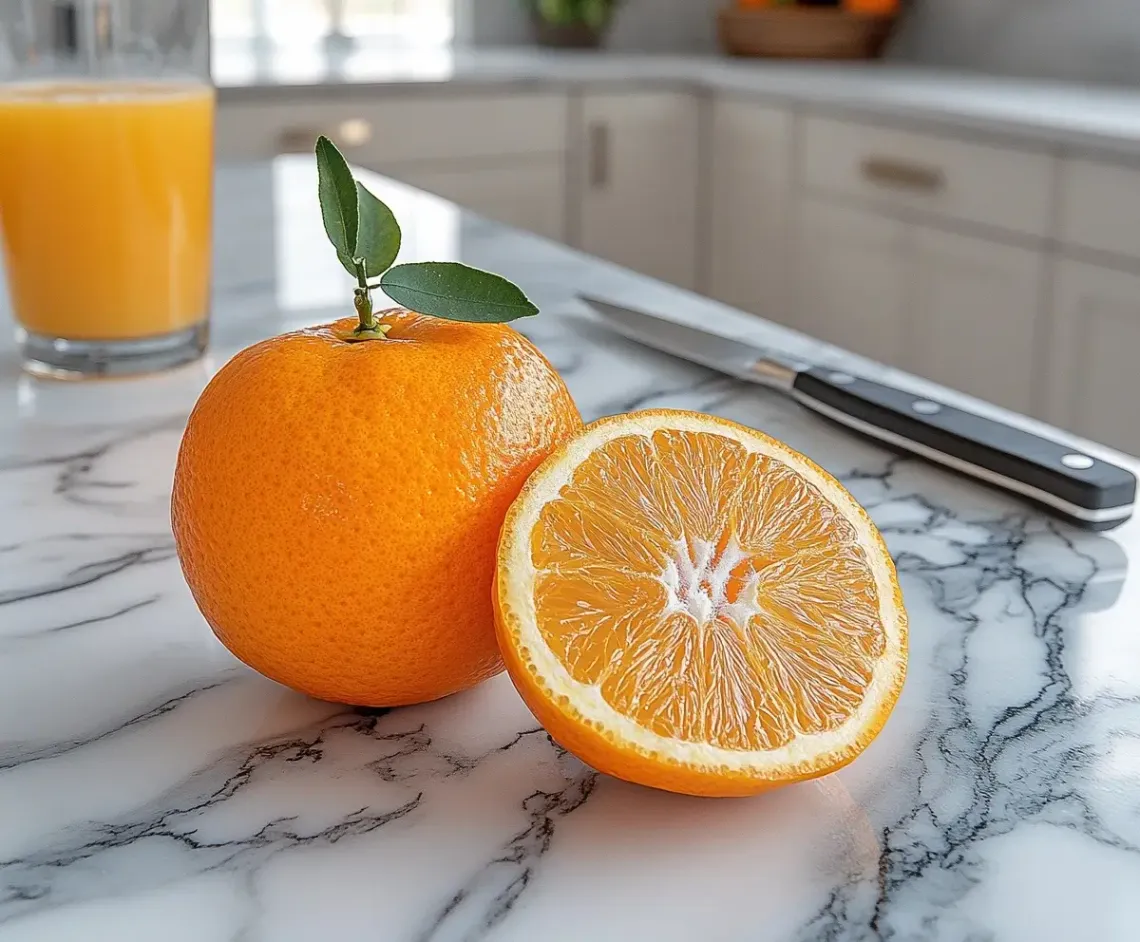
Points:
(106, 175)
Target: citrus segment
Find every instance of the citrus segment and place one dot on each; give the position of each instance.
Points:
(682, 593)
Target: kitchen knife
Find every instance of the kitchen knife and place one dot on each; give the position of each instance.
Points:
(1086, 491)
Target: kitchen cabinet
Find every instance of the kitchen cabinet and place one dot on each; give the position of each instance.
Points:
(974, 310)
(396, 128)
(502, 155)
(529, 194)
(852, 279)
(636, 182)
(896, 170)
(1100, 206)
(959, 310)
(1093, 382)
(748, 245)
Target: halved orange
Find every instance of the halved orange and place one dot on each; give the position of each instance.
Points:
(689, 604)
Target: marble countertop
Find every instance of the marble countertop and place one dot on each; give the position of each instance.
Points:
(1086, 117)
(151, 787)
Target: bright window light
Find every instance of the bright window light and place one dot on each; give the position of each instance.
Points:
(298, 22)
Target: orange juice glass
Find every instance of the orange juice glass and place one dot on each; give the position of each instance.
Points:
(106, 173)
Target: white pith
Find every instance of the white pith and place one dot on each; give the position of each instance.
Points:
(696, 581)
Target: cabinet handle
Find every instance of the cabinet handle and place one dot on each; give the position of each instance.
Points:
(599, 134)
(886, 171)
(349, 134)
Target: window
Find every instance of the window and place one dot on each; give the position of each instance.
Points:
(300, 22)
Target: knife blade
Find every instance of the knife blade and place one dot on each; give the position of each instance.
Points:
(1084, 490)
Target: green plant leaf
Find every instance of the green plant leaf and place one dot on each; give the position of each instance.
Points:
(337, 191)
(554, 11)
(456, 292)
(595, 13)
(377, 233)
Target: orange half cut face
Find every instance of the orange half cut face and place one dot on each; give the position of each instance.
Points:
(687, 603)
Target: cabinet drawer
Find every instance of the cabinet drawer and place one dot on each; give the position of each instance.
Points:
(941, 176)
(1100, 207)
(395, 130)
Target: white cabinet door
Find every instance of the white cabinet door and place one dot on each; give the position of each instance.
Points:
(974, 317)
(530, 194)
(851, 280)
(1094, 383)
(749, 241)
(637, 173)
(1100, 206)
(961, 311)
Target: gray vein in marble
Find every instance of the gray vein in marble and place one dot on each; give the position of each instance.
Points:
(17, 754)
(96, 619)
(405, 757)
(92, 572)
(487, 898)
(1024, 764)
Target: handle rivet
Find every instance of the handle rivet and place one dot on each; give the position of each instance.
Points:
(926, 407)
(1077, 462)
(841, 379)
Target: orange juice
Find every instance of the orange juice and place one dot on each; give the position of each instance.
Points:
(105, 191)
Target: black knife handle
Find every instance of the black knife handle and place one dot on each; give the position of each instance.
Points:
(1086, 491)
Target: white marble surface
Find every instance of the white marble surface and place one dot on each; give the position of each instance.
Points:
(1034, 111)
(153, 788)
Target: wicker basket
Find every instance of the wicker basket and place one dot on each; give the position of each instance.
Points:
(803, 33)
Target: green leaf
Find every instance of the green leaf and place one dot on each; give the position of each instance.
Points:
(555, 11)
(595, 13)
(377, 233)
(337, 191)
(456, 292)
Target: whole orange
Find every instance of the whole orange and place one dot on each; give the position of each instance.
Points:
(337, 504)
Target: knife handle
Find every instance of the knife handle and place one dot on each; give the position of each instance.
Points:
(1085, 491)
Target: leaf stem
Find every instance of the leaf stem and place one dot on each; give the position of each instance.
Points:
(368, 328)
(362, 298)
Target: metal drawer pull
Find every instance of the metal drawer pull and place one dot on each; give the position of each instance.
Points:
(599, 144)
(348, 134)
(897, 173)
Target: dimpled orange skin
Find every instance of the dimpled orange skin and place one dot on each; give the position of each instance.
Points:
(337, 506)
